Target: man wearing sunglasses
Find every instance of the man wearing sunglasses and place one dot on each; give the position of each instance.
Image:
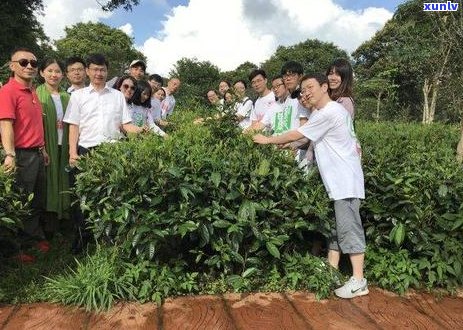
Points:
(22, 136)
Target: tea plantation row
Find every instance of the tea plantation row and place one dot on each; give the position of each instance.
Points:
(207, 211)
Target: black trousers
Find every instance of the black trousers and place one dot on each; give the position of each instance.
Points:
(30, 178)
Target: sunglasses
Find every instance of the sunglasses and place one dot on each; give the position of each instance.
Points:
(24, 63)
(125, 86)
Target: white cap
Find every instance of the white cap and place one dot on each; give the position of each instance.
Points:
(134, 62)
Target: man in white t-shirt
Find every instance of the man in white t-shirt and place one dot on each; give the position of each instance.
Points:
(292, 73)
(338, 159)
(168, 105)
(287, 115)
(265, 102)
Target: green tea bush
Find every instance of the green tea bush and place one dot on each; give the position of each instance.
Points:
(152, 281)
(392, 270)
(413, 196)
(13, 204)
(207, 196)
(207, 211)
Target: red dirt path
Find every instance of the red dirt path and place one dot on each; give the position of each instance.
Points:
(269, 311)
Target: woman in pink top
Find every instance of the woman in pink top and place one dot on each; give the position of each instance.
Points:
(341, 79)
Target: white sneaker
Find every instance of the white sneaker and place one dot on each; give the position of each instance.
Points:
(352, 288)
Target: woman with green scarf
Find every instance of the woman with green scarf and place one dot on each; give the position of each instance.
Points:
(54, 102)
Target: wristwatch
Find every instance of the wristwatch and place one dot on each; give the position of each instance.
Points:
(10, 154)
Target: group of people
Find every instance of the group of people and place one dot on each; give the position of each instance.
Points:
(47, 129)
(149, 102)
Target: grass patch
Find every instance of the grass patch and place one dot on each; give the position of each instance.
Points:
(23, 283)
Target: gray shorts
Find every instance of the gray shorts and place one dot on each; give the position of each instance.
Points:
(348, 236)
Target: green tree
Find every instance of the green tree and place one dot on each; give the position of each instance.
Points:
(423, 49)
(197, 77)
(313, 54)
(380, 88)
(86, 38)
(241, 72)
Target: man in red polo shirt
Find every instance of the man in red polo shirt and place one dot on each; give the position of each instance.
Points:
(22, 135)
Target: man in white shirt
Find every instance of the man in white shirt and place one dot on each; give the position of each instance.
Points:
(265, 103)
(168, 105)
(338, 159)
(292, 73)
(287, 115)
(75, 72)
(95, 114)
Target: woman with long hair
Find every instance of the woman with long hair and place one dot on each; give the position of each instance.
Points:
(341, 80)
(54, 101)
(126, 85)
(141, 111)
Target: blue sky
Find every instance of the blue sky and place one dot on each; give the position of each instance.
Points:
(226, 32)
(361, 4)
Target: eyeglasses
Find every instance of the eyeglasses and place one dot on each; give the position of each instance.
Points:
(277, 86)
(76, 70)
(24, 63)
(289, 74)
(125, 86)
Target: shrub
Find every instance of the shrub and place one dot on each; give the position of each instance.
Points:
(13, 204)
(206, 196)
(392, 270)
(206, 211)
(413, 196)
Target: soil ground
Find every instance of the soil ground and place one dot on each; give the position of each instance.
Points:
(266, 311)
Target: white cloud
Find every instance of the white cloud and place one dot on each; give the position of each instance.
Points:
(127, 29)
(228, 33)
(221, 38)
(62, 13)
